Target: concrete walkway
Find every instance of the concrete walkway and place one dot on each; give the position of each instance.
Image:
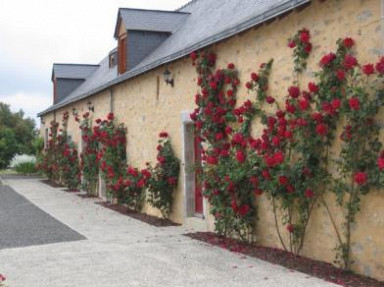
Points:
(120, 251)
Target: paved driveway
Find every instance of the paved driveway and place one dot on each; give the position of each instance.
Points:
(120, 251)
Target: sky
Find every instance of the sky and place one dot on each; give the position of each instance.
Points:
(34, 34)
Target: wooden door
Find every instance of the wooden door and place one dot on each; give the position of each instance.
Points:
(198, 184)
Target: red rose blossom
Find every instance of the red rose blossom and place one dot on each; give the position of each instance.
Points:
(308, 193)
(322, 129)
(304, 36)
(349, 62)
(313, 88)
(290, 228)
(111, 116)
(240, 156)
(163, 135)
(291, 44)
(270, 100)
(380, 163)
(327, 59)
(380, 66)
(354, 103)
(336, 103)
(254, 77)
(248, 85)
(340, 74)
(283, 180)
(348, 42)
(231, 66)
(294, 91)
(368, 69)
(360, 178)
(193, 56)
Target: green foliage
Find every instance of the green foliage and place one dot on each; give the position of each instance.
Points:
(25, 168)
(164, 178)
(16, 134)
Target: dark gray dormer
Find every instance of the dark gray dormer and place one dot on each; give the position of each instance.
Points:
(139, 32)
(67, 77)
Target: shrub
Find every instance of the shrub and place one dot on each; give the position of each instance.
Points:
(23, 163)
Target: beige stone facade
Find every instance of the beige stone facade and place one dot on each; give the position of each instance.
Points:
(146, 105)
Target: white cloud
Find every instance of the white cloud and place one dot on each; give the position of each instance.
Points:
(31, 103)
(34, 34)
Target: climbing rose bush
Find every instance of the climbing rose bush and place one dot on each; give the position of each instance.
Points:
(164, 176)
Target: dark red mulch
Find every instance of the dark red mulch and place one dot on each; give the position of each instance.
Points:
(152, 220)
(51, 183)
(87, 196)
(72, 190)
(319, 269)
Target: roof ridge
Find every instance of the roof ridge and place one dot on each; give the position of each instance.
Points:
(155, 10)
(185, 5)
(69, 64)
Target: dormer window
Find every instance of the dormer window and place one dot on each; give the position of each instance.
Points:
(113, 59)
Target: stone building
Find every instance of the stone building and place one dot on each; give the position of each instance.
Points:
(130, 82)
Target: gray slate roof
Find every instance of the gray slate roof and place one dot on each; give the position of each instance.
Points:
(151, 20)
(73, 71)
(210, 21)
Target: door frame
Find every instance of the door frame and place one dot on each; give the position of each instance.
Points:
(187, 171)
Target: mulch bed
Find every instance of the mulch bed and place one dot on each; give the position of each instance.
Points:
(50, 183)
(319, 269)
(152, 220)
(71, 190)
(87, 196)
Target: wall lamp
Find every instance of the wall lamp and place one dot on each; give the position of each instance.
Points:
(91, 107)
(167, 77)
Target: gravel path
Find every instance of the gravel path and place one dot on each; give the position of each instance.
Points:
(120, 251)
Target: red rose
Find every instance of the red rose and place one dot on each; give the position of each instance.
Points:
(240, 156)
(278, 157)
(304, 36)
(348, 42)
(243, 210)
(304, 104)
(254, 180)
(254, 77)
(354, 104)
(276, 141)
(308, 48)
(380, 163)
(327, 59)
(212, 160)
(270, 100)
(265, 173)
(360, 178)
(234, 205)
(340, 74)
(230, 93)
(231, 66)
(98, 121)
(163, 135)
(248, 85)
(336, 103)
(368, 69)
(290, 188)
(380, 66)
(283, 180)
(199, 81)
(322, 129)
(172, 180)
(291, 44)
(193, 56)
(349, 62)
(294, 91)
(111, 116)
(290, 228)
(309, 193)
(258, 191)
(161, 159)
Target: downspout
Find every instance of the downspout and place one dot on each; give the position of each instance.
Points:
(111, 100)
(382, 28)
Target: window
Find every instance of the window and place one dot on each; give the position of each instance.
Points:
(113, 59)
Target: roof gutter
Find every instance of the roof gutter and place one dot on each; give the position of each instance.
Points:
(270, 14)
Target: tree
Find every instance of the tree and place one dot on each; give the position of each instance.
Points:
(16, 134)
